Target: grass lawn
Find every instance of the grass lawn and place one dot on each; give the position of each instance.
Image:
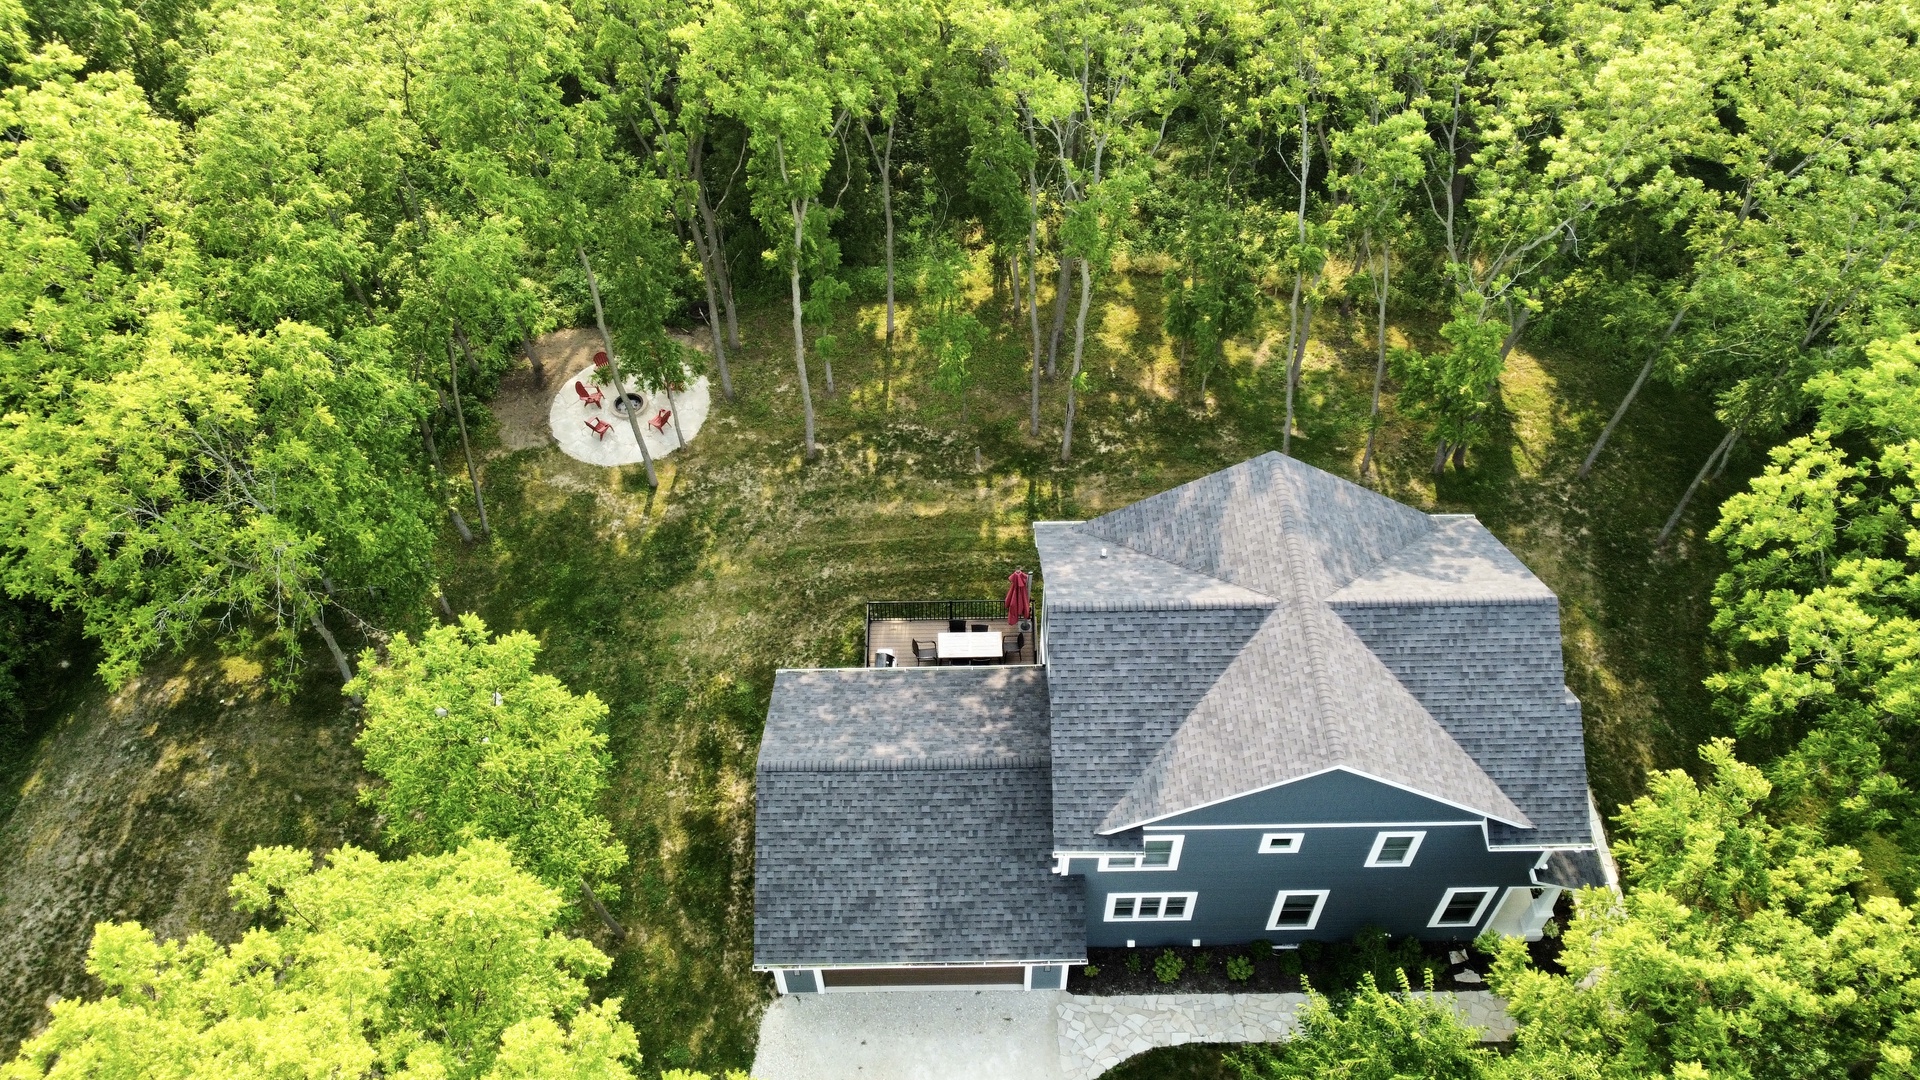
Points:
(677, 605)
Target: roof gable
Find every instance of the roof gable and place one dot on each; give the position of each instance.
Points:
(1304, 696)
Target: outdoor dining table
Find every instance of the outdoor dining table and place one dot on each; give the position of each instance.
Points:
(968, 646)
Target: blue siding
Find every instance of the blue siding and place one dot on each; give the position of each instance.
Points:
(1236, 885)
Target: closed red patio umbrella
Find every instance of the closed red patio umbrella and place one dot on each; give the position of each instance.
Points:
(1019, 600)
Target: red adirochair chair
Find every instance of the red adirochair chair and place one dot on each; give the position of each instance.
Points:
(587, 397)
(659, 423)
(600, 359)
(600, 427)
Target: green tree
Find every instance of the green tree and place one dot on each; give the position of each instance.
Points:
(1536, 129)
(792, 74)
(1819, 610)
(946, 330)
(1375, 1035)
(443, 966)
(1741, 948)
(470, 742)
(170, 477)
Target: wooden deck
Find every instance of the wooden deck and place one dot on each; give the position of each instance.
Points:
(900, 634)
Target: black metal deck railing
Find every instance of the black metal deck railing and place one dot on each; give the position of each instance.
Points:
(936, 609)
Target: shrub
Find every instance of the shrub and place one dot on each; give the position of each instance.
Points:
(1202, 962)
(1239, 968)
(1133, 962)
(1290, 962)
(1091, 971)
(1168, 968)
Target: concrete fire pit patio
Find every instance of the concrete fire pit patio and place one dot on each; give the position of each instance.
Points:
(568, 416)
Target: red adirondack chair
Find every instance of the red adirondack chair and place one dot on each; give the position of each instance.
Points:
(659, 423)
(600, 427)
(600, 358)
(587, 397)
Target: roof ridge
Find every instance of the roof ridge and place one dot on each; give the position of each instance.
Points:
(1290, 542)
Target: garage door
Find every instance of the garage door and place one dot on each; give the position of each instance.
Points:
(900, 978)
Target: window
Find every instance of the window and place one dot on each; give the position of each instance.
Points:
(1150, 907)
(1461, 907)
(1297, 910)
(1395, 848)
(1159, 853)
(1280, 843)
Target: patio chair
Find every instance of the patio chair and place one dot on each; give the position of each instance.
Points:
(659, 423)
(600, 427)
(925, 654)
(1011, 648)
(587, 397)
(600, 358)
(979, 628)
(956, 626)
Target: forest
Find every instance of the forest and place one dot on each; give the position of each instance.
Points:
(1637, 282)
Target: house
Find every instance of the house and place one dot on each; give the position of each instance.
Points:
(1268, 704)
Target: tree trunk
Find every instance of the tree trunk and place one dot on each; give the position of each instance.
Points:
(460, 414)
(717, 253)
(1460, 458)
(703, 246)
(1295, 331)
(613, 360)
(1380, 366)
(886, 208)
(1632, 392)
(339, 655)
(619, 932)
(1440, 459)
(433, 452)
(1033, 300)
(1079, 352)
(1699, 478)
(533, 358)
(446, 609)
(1294, 363)
(1060, 293)
(799, 336)
(673, 410)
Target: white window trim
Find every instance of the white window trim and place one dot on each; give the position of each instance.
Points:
(1280, 900)
(1380, 840)
(1487, 893)
(1193, 898)
(1113, 863)
(1291, 841)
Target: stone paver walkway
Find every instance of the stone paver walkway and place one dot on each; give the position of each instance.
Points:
(567, 416)
(1097, 1033)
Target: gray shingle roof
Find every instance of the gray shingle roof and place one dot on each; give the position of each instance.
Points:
(1080, 578)
(1273, 717)
(1344, 669)
(902, 816)
(1122, 683)
(905, 718)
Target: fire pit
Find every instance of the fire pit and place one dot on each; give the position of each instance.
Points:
(628, 401)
